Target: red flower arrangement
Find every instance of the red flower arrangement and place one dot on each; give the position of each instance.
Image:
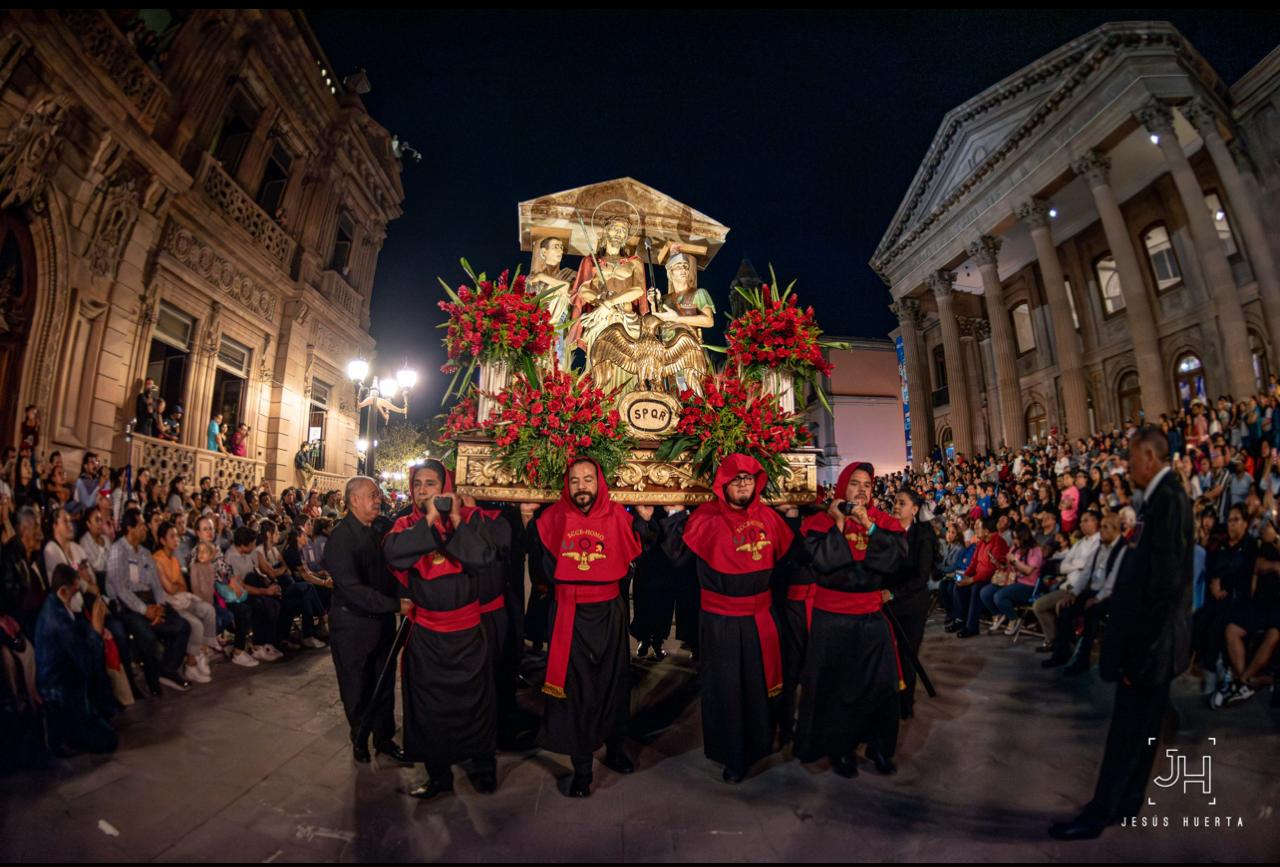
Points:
(775, 333)
(543, 425)
(734, 415)
(462, 420)
(495, 321)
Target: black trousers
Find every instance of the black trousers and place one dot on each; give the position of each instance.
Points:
(360, 647)
(173, 632)
(1066, 628)
(1128, 758)
(912, 614)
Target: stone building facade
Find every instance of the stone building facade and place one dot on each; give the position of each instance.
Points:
(1092, 240)
(192, 196)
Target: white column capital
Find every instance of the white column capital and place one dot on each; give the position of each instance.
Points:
(1202, 116)
(941, 283)
(1034, 212)
(985, 250)
(1156, 117)
(1094, 167)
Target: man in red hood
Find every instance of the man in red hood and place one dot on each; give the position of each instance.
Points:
(438, 555)
(849, 689)
(736, 540)
(587, 544)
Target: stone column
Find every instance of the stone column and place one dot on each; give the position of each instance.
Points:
(940, 283)
(1095, 168)
(1158, 119)
(908, 312)
(1247, 218)
(995, 424)
(1035, 214)
(984, 252)
(973, 370)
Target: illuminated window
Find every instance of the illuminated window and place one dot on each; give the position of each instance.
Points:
(1022, 329)
(1109, 284)
(1164, 264)
(1221, 223)
(1189, 379)
(1037, 422)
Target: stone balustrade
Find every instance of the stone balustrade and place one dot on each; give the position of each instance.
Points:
(236, 205)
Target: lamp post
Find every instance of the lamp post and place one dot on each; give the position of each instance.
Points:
(377, 397)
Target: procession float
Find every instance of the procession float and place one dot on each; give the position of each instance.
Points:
(606, 360)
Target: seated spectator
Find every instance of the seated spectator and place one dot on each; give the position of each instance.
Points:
(987, 558)
(1253, 615)
(199, 614)
(1088, 599)
(26, 578)
(92, 477)
(1071, 573)
(298, 598)
(133, 582)
(177, 502)
(62, 548)
(1230, 573)
(72, 678)
(209, 570)
(263, 596)
(1013, 584)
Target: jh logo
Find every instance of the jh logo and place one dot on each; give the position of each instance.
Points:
(1179, 772)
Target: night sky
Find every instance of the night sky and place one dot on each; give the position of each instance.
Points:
(799, 131)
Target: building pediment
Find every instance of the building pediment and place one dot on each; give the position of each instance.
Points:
(660, 217)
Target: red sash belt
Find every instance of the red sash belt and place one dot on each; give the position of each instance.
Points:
(466, 617)
(839, 602)
(804, 593)
(494, 604)
(756, 607)
(568, 598)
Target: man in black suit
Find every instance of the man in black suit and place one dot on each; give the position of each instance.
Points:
(1148, 641)
(362, 625)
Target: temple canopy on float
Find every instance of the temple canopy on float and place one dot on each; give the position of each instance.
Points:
(628, 312)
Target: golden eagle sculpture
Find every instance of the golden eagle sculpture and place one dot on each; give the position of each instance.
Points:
(649, 361)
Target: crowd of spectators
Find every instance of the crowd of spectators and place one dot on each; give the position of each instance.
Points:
(1035, 538)
(116, 585)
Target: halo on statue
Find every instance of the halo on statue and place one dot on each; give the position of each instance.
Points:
(598, 228)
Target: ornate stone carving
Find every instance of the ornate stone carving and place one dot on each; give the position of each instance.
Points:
(30, 153)
(1156, 117)
(264, 368)
(12, 318)
(969, 325)
(116, 218)
(908, 312)
(982, 329)
(985, 250)
(12, 48)
(1094, 167)
(212, 335)
(219, 272)
(1035, 213)
(306, 371)
(110, 50)
(1201, 116)
(942, 283)
(149, 305)
(326, 340)
(236, 205)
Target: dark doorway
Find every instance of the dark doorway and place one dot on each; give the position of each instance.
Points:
(228, 399)
(168, 367)
(17, 305)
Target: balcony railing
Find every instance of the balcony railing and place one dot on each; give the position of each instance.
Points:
(335, 288)
(167, 459)
(237, 206)
(326, 482)
(108, 49)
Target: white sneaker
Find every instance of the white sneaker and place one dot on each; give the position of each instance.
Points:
(313, 643)
(260, 653)
(272, 653)
(242, 658)
(195, 675)
(202, 663)
(997, 624)
(1012, 628)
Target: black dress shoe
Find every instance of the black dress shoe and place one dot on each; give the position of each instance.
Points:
(846, 767)
(953, 626)
(485, 784)
(430, 789)
(883, 763)
(1075, 669)
(1044, 648)
(658, 654)
(642, 650)
(393, 751)
(580, 787)
(360, 752)
(732, 775)
(965, 633)
(619, 762)
(1053, 662)
(1077, 829)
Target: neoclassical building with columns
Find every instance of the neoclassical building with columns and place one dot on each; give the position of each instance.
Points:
(191, 196)
(1090, 241)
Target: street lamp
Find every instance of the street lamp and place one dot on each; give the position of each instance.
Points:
(378, 397)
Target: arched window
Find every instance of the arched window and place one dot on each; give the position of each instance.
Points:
(1258, 352)
(947, 442)
(1220, 222)
(1037, 422)
(1109, 284)
(1129, 398)
(1188, 378)
(1022, 329)
(1164, 264)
